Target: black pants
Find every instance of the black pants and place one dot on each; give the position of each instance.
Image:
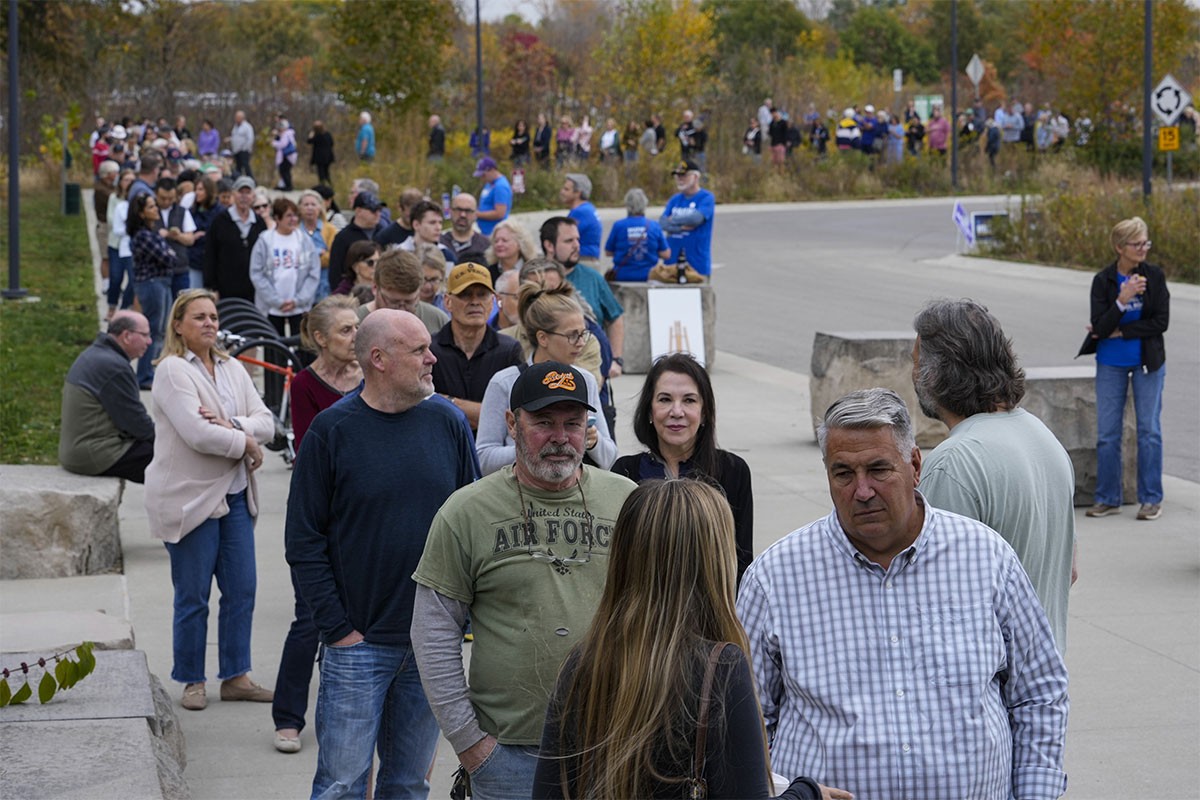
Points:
(323, 174)
(285, 175)
(241, 161)
(132, 464)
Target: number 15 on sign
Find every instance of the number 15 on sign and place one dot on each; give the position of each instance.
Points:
(1168, 138)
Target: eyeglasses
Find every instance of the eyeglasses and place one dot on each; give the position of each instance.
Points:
(507, 294)
(1139, 245)
(575, 337)
(432, 281)
(462, 210)
(260, 206)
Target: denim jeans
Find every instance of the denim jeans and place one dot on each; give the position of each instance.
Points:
(371, 697)
(323, 289)
(506, 774)
(120, 269)
(223, 548)
(180, 282)
(155, 297)
(295, 668)
(1112, 386)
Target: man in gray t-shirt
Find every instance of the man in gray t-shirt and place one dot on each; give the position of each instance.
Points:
(1000, 465)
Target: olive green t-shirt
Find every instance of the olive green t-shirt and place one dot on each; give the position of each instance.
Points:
(532, 574)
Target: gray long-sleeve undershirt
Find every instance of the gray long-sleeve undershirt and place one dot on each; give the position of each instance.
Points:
(437, 641)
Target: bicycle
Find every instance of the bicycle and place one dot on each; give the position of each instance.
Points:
(286, 365)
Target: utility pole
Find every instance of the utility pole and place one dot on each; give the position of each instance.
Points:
(1147, 70)
(954, 94)
(14, 290)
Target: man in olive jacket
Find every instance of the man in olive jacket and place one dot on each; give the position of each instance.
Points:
(105, 428)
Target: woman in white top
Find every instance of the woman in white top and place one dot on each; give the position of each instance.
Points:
(553, 321)
(120, 256)
(201, 495)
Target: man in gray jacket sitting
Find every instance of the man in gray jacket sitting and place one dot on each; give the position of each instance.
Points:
(105, 428)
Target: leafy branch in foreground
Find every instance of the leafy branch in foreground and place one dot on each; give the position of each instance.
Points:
(60, 673)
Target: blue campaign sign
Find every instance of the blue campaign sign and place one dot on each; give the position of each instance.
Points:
(963, 220)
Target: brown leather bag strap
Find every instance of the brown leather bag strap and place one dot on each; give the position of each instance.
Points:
(699, 787)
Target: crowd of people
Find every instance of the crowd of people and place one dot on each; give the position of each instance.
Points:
(458, 477)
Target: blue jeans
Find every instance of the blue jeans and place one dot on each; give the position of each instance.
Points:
(323, 288)
(180, 282)
(371, 697)
(155, 297)
(223, 548)
(506, 774)
(1112, 386)
(120, 269)
(295, 668)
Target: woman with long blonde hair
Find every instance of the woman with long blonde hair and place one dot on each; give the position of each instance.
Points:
(624, 717)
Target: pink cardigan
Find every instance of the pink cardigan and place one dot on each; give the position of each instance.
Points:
(195, 462)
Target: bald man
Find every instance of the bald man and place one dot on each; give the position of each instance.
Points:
(105, 428)
(353, 552)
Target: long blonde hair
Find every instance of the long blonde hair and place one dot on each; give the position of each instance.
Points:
(632, 700)
(174, 345)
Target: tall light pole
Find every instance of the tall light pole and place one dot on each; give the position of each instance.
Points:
(1147, 84)
(954, 94)
(14, 290)
(478, 77)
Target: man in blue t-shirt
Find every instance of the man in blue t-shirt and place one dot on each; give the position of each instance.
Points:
(496, 197)
(357, 519)
(635, 244)
(364, 142)
(688, 219)
(575, 194)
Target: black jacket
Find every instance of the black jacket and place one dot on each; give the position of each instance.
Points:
(227, 256)
(322, 148)
(1106, 316)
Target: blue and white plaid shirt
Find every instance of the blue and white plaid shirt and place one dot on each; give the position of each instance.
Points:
(936, 679)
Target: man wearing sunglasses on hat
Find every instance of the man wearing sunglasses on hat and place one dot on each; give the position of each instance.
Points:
(525, 552)
(688, 219)
(230, 239)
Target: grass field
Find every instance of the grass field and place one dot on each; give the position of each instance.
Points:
(40, 340)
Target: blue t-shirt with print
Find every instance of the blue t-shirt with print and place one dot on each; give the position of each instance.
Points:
(1119, 352)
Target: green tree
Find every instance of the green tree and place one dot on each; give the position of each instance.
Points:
(657, 56)
(874, 36)
(389, 55)
(754, 39)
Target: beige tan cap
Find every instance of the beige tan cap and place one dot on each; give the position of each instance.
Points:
(468, 274)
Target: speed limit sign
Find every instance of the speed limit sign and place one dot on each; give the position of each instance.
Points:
(1168, 138)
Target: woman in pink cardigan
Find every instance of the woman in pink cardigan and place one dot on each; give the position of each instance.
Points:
(201, 496)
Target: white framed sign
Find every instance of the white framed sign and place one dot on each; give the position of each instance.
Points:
(676, 322)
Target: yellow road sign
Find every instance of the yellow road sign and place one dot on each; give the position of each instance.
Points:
(1168, 138)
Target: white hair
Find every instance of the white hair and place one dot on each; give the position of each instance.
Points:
(867, 409)
(365, 117)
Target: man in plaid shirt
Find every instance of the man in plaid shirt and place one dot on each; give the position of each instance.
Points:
(900, 650)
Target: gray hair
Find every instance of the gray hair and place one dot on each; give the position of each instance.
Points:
(508, 280)
(867, 409)
(636, 202)
(583, 184)
(965, 363)
(367, 185)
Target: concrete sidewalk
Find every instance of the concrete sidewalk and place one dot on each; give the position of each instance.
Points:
(1134, 651)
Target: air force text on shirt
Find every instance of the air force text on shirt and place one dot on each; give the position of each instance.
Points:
(542, 526)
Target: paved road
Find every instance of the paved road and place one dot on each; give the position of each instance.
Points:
(788, 272)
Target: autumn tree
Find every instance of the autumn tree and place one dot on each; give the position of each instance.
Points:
(658, 56)
(1088, 54)
(754, 40)
(874, 36)
(385, 54)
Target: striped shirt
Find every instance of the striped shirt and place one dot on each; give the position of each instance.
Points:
(936, 679)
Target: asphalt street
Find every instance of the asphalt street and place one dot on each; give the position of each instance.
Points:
(788, 272)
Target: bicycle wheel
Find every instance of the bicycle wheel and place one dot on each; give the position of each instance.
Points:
(276, 360)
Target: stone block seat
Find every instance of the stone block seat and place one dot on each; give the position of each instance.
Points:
(633, 298)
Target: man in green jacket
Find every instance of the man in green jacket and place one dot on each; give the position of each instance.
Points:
(105, 428)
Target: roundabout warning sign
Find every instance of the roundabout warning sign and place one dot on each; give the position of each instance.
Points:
(1168, 100)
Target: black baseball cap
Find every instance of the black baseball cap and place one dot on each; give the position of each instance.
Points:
(546, 383)
(686, 166)
(368, 201)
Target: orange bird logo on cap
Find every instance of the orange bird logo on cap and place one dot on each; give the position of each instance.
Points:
(560, 380)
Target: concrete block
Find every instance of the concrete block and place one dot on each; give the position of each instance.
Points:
(105, 593)
(58, 524)
(1064, 398)
(632, 297)
(97, 759)
(845, 361)
(118, 688)
(53, 630)
(170, 747)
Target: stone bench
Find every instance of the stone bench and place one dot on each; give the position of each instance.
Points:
(1064, 398)
(633, 298)
(58, 524)
(113, 735)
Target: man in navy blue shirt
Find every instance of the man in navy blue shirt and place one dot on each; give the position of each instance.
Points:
(376, 467)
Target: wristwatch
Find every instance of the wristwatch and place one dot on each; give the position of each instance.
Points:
(619, 361)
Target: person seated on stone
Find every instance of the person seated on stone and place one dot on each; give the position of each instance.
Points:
(635, 244)
(359, 267)
(676, 420)
(398, 285)
(554, 323)
(468, 351)
(105, 428)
